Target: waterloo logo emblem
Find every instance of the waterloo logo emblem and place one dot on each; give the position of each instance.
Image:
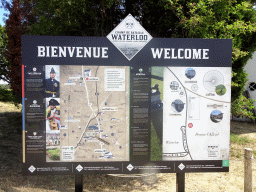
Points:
(129, 37)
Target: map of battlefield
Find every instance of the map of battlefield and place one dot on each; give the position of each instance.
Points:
(94, 117)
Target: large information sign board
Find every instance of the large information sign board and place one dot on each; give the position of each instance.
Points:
(125, 103)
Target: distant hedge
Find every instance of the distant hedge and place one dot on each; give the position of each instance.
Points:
(5, 86)
(6, 95)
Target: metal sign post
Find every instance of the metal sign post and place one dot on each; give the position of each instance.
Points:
(180, 182)
(78, 183)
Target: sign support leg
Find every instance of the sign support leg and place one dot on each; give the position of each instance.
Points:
(78, 183)
(248, 170)
(180, 182)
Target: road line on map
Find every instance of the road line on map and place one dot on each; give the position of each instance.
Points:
(84, 130)
(105, 100)
(91, 109)
(93, 113)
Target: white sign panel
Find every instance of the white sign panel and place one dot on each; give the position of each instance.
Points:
(196, 113)
(114, 79)
(67, 153)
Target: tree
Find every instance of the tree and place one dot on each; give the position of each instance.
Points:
(76, 17)
(18, 23)
(223, 19)
(13, 54)
(59, 17)
(233, 19)
(4, 65)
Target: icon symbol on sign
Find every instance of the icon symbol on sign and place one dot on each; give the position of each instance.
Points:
(129, 24)
(190, 125)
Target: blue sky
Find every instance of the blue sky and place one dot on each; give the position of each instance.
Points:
(2, 11)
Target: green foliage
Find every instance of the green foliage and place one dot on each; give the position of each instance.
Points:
(240, 140)
(6, 95)
(220, 19)
(75, 17)
(55, 154)
(4, 64)
(239, 79)
(242, 107)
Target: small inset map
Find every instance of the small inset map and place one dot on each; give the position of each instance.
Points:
(94, 113)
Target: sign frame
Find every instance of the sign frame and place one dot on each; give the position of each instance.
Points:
(192, 70)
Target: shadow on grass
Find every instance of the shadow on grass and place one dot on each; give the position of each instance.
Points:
(238, 127)
(14, 181)
(6, 95)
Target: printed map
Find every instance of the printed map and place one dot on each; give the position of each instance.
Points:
(94, 113)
